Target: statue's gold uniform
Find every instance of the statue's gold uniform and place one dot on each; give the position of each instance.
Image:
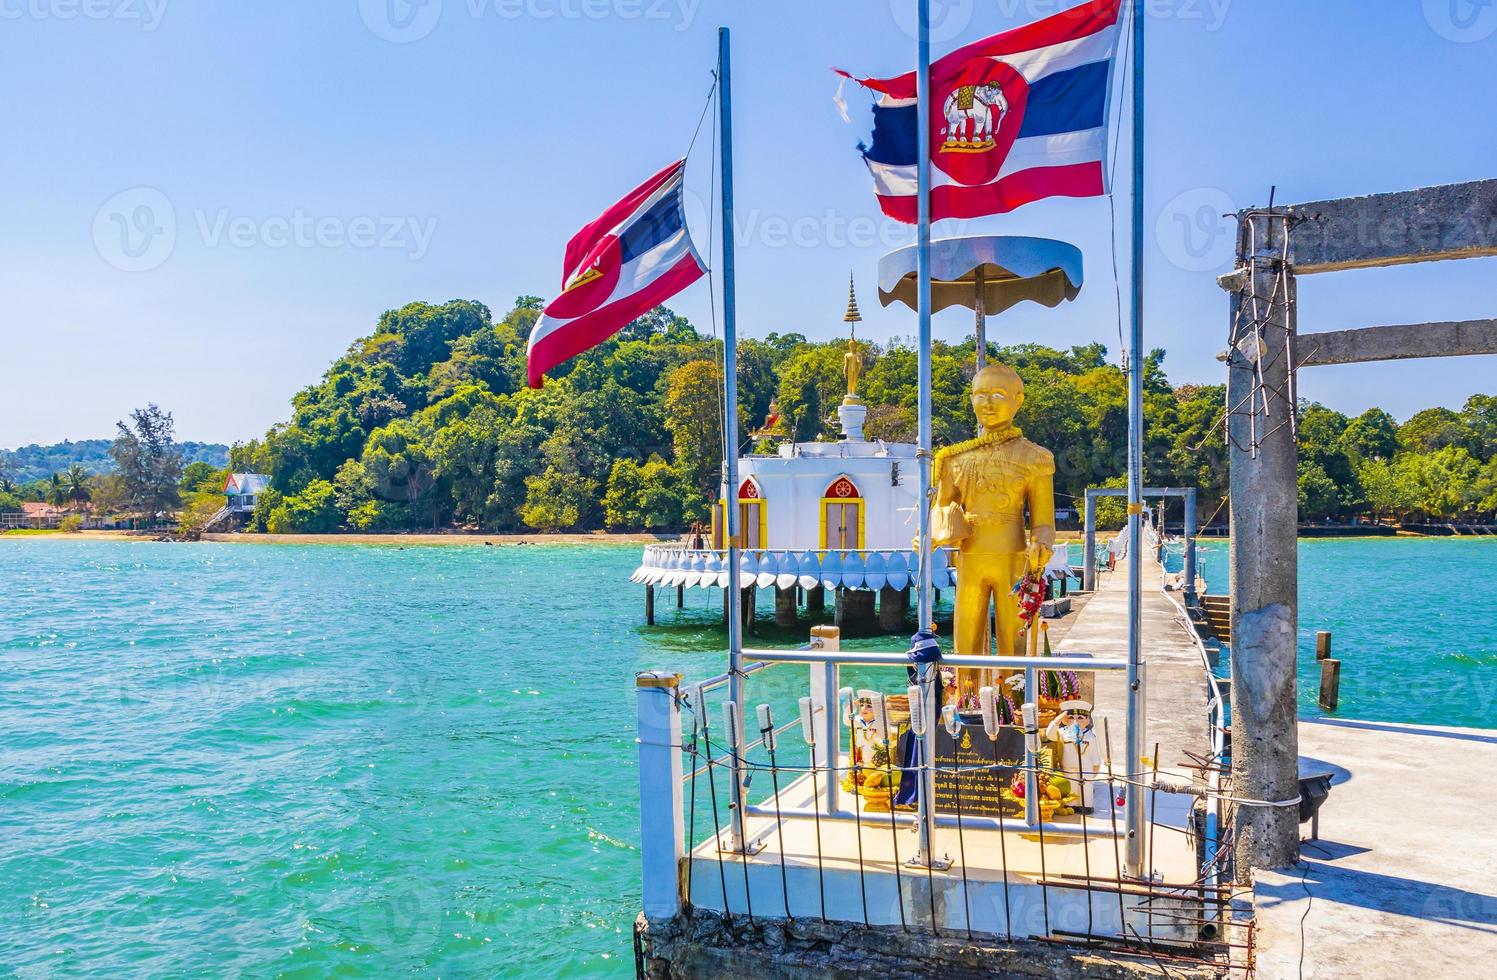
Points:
(985, 489)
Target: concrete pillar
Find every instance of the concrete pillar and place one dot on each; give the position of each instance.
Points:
(750, 600)
(662, 831)
(1089, 551)
(1264, 560)
(649, 605)
(893, 605)
(680, 597)
(784, 606)
(855, 615)
(816, 599)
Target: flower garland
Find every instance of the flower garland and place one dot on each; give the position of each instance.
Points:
(983, 441)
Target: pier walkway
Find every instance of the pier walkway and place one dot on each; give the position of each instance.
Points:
(1403, 881)
(1174, 672)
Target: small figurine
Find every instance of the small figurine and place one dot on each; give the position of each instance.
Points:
(1078, 749)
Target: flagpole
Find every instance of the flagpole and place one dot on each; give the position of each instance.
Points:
(926, 856)
(1137, 717)
(731, 516)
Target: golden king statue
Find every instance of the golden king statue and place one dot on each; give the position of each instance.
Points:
(984, 488)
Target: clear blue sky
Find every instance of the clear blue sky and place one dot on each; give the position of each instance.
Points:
(327, 161)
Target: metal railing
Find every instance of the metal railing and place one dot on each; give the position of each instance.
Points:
(983, 893)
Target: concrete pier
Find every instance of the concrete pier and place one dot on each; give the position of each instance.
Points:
(1403, 880)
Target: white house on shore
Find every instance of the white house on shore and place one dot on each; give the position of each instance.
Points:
(241, 490)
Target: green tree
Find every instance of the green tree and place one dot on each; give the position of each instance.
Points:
(1371, 435)
(556, 501)
(1432, 429)
(1318, 494)
(652, 497)
(693, 416)
(148, 460)
(313, 511)
(57, 490)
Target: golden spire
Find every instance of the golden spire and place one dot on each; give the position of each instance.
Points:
(852, 315)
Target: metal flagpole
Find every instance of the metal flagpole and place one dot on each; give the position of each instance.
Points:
(929, 675)
(731, 516)
(1137, 715)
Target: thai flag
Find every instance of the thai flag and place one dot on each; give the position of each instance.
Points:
(1015, 118)
(635, 256)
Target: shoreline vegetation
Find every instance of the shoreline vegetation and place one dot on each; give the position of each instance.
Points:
(428, 425)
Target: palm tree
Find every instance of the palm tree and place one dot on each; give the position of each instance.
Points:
(76, 481)
(56, 491)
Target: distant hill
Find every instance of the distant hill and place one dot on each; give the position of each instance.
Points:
(39, 462)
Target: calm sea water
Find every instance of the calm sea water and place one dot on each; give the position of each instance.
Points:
(368, 760)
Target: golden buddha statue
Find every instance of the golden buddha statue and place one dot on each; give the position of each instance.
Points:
(983, 489)
(852, 365)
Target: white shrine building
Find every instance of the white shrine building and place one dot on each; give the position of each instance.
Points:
(816, 516)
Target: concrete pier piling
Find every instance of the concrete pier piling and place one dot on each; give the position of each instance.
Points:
(1330, 684)
(855, 612)
(784, 606)
(893, 605)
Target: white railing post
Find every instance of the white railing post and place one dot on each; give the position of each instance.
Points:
(662, 829)
(825, 680)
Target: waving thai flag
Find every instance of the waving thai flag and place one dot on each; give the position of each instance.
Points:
(635, 256)
(1015, 118)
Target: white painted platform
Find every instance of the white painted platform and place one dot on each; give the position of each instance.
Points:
(1403, 881)
(1015, 903)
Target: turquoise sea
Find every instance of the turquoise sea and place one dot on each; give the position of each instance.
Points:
(303, 760)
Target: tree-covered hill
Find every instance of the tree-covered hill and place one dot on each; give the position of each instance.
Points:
(427, 423)
(30, 463)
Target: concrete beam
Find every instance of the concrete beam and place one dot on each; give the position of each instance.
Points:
(1449, 339)
(1452, 221)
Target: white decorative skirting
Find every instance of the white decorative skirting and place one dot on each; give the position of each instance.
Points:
(672, 565)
